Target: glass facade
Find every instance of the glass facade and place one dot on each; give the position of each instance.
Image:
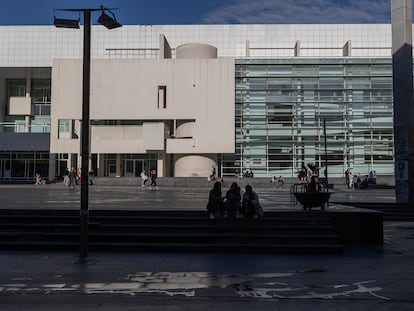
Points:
(290, 78)
(23, 165)
(40, 95)
(281, 107)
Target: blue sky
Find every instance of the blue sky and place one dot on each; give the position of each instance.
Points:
(138, 12)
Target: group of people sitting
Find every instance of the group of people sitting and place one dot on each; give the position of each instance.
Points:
(233, 204)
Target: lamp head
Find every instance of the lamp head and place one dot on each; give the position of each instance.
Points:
(108, 21)
(66, 23)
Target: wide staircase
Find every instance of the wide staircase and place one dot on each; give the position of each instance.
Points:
(277, 232)
(391, 211)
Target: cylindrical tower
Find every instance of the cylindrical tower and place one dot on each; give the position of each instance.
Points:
(196, 50)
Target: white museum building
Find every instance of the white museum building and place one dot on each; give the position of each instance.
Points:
(182, 99)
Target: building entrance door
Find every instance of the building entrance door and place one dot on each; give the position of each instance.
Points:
(22, 169)
(2, 169)
(133, 168)
(61, 165)
(111, 170)
(5, 172)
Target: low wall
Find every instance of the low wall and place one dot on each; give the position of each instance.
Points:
(256, 182)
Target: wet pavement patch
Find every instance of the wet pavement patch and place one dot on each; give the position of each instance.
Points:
(270, 286)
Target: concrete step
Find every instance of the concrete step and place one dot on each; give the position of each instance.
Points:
(391, 211)
(175, 231)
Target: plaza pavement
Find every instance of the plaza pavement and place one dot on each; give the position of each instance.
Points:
(58, 196)
(363, 278)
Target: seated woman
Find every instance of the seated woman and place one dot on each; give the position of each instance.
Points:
(215, 201)
(232, 204)
(250, 204)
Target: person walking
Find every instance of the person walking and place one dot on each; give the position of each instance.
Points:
(153, 176)
(350, 180)
(72, 178)
(66, 177)
(144, 178)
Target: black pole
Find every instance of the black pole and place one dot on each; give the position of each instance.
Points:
(326, 153)
(84, 211)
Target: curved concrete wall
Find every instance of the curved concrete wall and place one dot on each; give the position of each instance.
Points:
(194, 166)
(185, 130)
(196, 50)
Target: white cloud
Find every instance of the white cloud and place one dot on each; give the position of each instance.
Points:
(301, 11)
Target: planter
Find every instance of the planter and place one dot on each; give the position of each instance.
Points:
(313, 199)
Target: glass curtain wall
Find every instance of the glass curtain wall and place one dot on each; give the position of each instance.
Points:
(23, 165)
(281, 106)
(40, 94)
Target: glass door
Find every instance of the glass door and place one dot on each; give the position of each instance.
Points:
(133, 168)
(129, 168)
(139, 165)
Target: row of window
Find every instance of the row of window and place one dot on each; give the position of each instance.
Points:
(281, 106)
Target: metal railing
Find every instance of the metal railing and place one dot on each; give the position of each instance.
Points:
(20, 127)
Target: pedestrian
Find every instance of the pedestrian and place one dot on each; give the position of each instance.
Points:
(213, 173)
(237, 174)
(350, 179)
(91, 175)
(66, 177)
(79, 176)
(302, 176)
(144, 178)
(250, 204)
(153, 176)
(274, 181)
(232, 203)
(365, 183)
(38, 179)
(371, 177)
(72, 178)
(358, 183)
(215, 201)
(280, 181)
(346, 174)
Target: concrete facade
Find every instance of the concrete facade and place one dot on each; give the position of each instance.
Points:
(238, 97)
(196, 116)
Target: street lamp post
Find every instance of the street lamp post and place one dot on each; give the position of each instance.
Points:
(326, 153)
(110, 23)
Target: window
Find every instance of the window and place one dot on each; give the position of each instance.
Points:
(68, 129)
(162, 96)
(64, 129)
(40, 91)
(41, 96)
(16, 88)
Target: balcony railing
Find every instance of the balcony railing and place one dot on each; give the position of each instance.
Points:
(18, 127)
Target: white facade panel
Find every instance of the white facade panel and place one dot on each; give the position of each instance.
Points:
(153, 136)
(117, 139)
(20, 106)
(199, 90)
(179, 146)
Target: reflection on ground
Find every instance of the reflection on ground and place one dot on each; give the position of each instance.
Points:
(193, 284)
